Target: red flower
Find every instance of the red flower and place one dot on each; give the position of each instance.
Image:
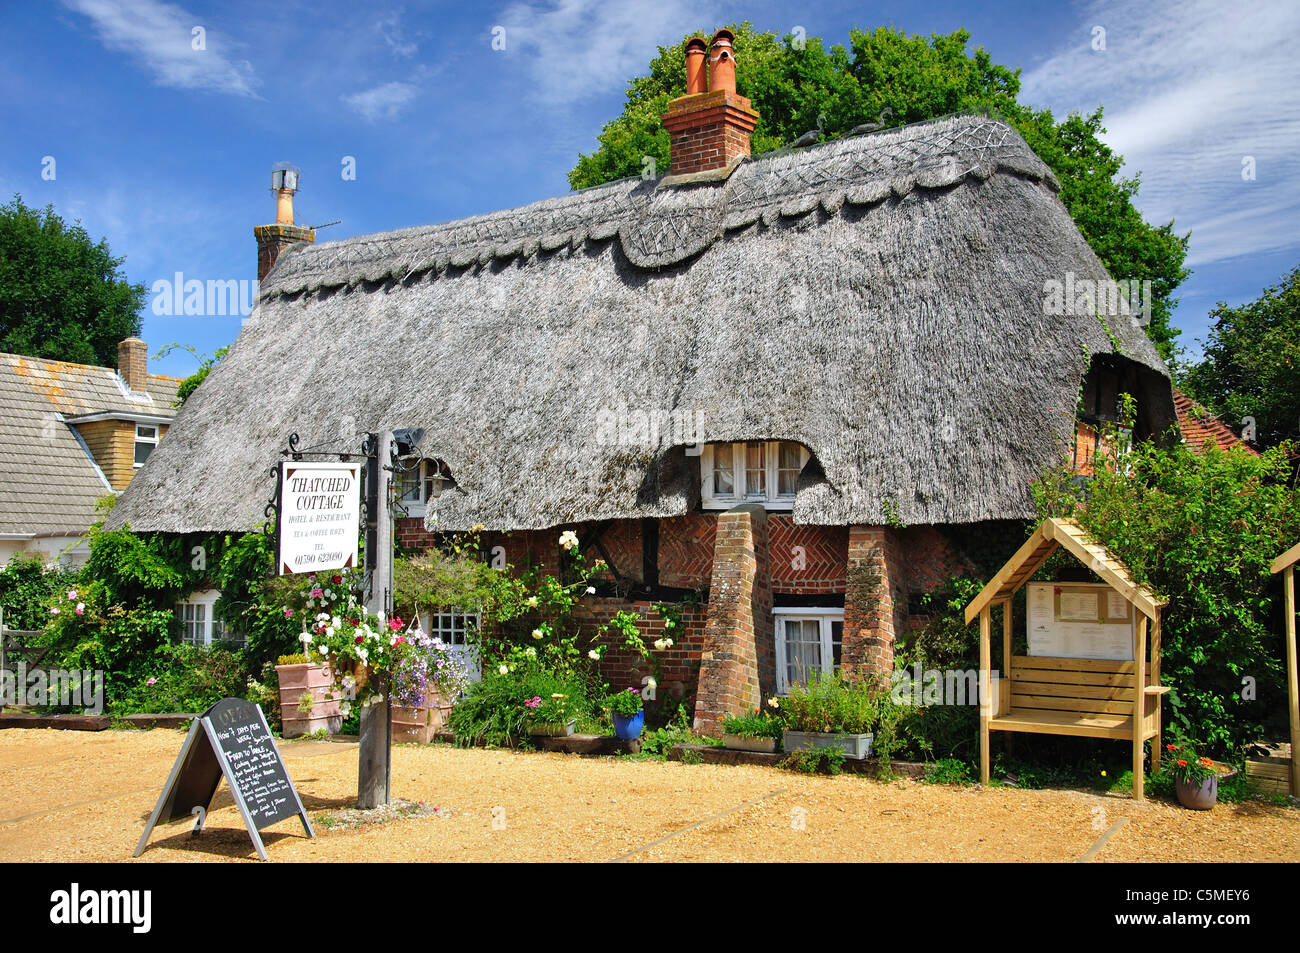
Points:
(354, 621)
(1182, 763)
(337, 580)
(358, 640)
(395, 623)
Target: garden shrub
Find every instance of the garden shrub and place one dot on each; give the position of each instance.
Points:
(496, 710)
(186, 678)
(1200, 529)
(27, 589)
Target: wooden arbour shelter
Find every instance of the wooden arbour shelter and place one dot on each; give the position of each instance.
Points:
(1083, 692)
(1285, 564)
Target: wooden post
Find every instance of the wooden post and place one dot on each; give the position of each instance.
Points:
(1292, 677)
(1004, 698)
(373, 768)
(985, 665)
(1157, 745)
(1139, 707)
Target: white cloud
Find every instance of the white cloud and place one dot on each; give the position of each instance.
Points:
(582, 48)
(381, 102)
(399, 40)
(1190, 89)
(160, 38)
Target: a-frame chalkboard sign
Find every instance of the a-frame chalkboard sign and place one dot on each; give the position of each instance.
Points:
(231, 740)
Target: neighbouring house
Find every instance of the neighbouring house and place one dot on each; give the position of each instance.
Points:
(69, 435)
(766, 389)
(1199, 425)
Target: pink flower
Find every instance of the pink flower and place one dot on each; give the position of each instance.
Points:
(72, 595)
(534, 701)
(54, 611)
(151, 680)
(317, 592)
(395, 623)
(401, 640)
(81, 608)
(288, 613)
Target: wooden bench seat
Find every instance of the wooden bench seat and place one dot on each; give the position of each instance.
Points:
(1092, 698)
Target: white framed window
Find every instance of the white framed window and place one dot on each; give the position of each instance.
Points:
(417, 486)
(458, 629)
(808, 641)
(757, 471)
(146, 438)
(198, 622)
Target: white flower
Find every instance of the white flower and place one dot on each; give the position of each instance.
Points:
(537, 633)
(324, 649)
(532, 600)
(594, 655)
(668, 643)
(659, 644)
(530, 652)
(322, 616)
(329, 632)
(305, 638)
(336, 622)
(502, 669)
(329, 593)
(345, 709)
(568, 539)
(591, 590)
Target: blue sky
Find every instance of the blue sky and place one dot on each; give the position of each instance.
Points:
(166, 151)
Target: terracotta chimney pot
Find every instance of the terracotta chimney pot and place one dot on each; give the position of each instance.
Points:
(696, 51)
(722, 63)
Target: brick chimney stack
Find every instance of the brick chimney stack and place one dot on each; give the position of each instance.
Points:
(133, 364)
(709, 131)
(273, 239)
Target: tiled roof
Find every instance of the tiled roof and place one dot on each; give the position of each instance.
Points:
(1199, 425)
(48, 483)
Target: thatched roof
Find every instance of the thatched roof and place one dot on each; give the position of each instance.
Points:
(877, 299)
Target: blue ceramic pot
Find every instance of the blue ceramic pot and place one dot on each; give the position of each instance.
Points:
(1198, 797)
(629, 728)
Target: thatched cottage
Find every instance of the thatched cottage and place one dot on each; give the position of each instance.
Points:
(774, 382)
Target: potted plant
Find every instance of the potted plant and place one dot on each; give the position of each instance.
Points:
(828, 711)
(754, 731)
(628, 715)
(426, 681)
(551, 716)
(1196, 778)
(307, 700)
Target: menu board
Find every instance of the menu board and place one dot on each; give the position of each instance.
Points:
(231, 740)
(256, 768)
(1080, 620)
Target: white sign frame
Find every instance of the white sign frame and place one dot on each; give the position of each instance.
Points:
(319, 525)
(1055, 629)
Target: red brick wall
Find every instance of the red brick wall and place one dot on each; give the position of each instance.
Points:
(624, 668)
(686, 550)
(807, 559)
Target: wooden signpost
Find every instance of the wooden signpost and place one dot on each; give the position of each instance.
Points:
(231, 740)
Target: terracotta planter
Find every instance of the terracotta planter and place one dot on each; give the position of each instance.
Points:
(419, 725)
(316, 680)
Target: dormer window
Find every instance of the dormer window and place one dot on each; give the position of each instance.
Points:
(757, 471)
(146, 438)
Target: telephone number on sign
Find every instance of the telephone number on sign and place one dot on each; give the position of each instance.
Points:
(308, 559)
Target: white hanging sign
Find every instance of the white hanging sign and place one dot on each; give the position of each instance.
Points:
(320, 517)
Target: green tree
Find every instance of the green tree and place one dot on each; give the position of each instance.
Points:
(62, 296)
(206, 363)
(893, 78)
(1252, 362)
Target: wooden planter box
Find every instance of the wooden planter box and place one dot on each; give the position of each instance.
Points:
(420, 725)
(745, 743)
(300, 679)
(857, 747)
(1268, 765)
